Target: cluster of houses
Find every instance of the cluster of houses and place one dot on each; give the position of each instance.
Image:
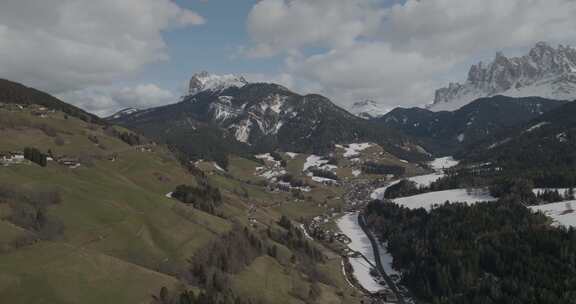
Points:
(8, 158)
(40, 111)
(11, 106)
(36, 110)
(11, 158)
(145, 148)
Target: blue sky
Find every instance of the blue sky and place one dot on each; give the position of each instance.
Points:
(213, 46)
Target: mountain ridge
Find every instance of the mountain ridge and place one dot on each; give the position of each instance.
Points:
(263, 117)
(367, 109)
(445, 132)
(545, 72)
(16, 93)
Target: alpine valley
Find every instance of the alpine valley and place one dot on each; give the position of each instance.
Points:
(250, 193)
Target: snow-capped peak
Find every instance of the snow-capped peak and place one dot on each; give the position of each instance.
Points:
(545, 72)
(205, 81)
(367, 109)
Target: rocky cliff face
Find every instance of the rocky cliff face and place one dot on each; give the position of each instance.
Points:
(545, 72)
(205, 81)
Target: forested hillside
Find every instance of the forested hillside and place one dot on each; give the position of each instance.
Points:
(498, 252)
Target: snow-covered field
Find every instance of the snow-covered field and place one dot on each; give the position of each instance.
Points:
(353, 150)
(538, 191)
(559, 212)
(318, 162)
(348, 224)
(422, 180)
(268, 173)
(430, 199)
(426, 180)
(443, 163)
(315, 161)
(378, 194)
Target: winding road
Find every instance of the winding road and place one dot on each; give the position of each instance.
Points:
(379, 267)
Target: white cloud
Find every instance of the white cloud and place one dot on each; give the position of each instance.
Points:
(461, 28)
(397, 55)
(104, 101)
(366, 70)
(283, 26)
(66, 45)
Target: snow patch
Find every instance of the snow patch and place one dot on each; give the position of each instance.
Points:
(242, 132)
(562, 137)
(537, 126)
(324, 180)
(266, 157)
(561, 212)
(353, 150)
(461, 137)
(426, 180)
(431, 199)
(292, 155)
(496, 144)
(205, 81)
(305, 232)
(378, 194)
(539, 191)
(318, 162)
(443, 163)
(218, 167)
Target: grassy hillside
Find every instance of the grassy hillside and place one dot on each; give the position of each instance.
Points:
(118, 226)
(110, 234)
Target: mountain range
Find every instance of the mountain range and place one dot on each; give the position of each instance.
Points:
(260, 117)
(545, 72)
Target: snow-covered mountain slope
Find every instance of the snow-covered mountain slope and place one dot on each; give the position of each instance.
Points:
(266, 116)
(122, 113)
(545, 72)
(367, 109)
(205, 81)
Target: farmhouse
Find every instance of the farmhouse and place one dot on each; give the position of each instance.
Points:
(70, 162)
(10, 158)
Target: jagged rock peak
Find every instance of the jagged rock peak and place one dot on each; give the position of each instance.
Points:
(205, 81)
(545, 71)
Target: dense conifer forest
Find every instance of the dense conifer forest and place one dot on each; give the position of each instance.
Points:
(494, 252)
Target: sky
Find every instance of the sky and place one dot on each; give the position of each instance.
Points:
(111, 54)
